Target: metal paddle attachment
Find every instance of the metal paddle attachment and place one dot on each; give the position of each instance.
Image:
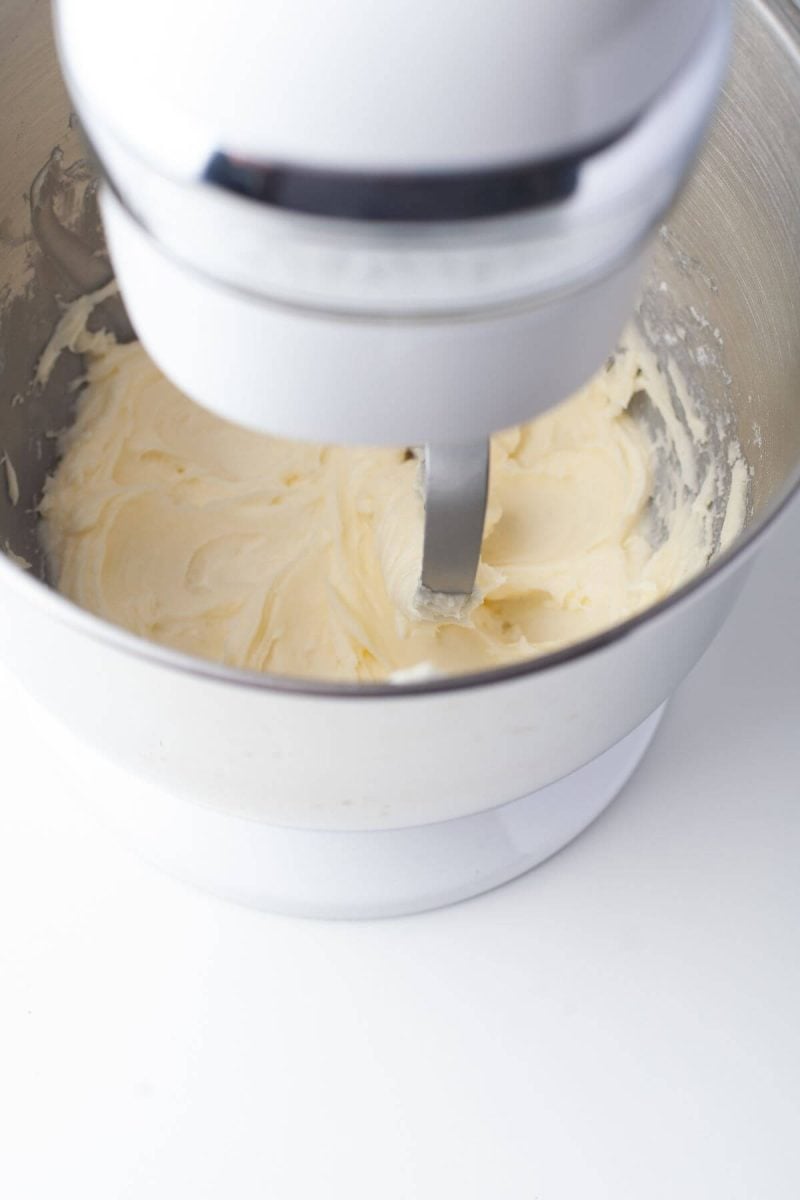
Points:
(455, 487)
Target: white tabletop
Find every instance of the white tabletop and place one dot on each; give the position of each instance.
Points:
(624, 1022)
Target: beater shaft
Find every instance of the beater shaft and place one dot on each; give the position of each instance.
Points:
(455, 485)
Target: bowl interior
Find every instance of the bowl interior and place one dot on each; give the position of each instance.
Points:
(722, 298)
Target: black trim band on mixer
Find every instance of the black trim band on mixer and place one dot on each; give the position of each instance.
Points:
(415, 197)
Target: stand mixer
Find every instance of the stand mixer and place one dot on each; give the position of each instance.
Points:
(382, 224)
(357, 223)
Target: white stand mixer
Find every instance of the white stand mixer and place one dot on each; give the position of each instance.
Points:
(394, 224)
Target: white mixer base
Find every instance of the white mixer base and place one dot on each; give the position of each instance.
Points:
(350, 874)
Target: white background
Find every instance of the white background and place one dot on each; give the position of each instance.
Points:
(624, 1022)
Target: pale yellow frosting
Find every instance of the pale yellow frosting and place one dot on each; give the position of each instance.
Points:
(304, 559)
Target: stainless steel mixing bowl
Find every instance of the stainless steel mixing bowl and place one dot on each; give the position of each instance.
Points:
(723, 298)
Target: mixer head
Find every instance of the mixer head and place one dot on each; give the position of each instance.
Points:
(400, 224)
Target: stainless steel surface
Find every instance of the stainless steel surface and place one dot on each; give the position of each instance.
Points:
(456, 485)
(723, 298)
